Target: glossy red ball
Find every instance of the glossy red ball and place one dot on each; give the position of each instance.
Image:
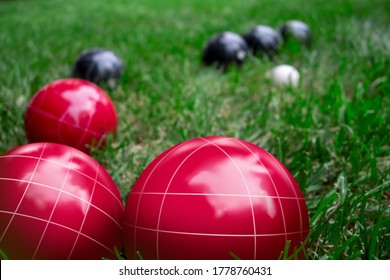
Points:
(57, 203)
(213, 198)
(73, 112)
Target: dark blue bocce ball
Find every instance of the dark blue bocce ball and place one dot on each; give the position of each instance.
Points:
(102, 67)
(297, 30)
(263, 39)
(225, 49)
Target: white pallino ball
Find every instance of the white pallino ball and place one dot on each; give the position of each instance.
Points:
(285, 75)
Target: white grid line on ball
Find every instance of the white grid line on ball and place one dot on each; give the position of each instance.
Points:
(218, 194)
(166, 190)
(59, 225)
(55, 205)
(58, 119)
(295, 193)
(273, 183)
(85, 131)
(65, 192)
(247, 190)
(75, 170)
(25, 191)
(144, 186)
(215, 234)
(61, 121)
(86, 212)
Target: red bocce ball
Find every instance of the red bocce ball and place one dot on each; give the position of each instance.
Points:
(213, 198)
(57, 203)
(73, 112)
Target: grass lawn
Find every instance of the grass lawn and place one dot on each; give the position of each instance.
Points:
(332, 132)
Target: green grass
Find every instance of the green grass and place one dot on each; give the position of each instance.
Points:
(332, 132)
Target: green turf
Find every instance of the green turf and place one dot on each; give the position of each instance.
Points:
(332, 132)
